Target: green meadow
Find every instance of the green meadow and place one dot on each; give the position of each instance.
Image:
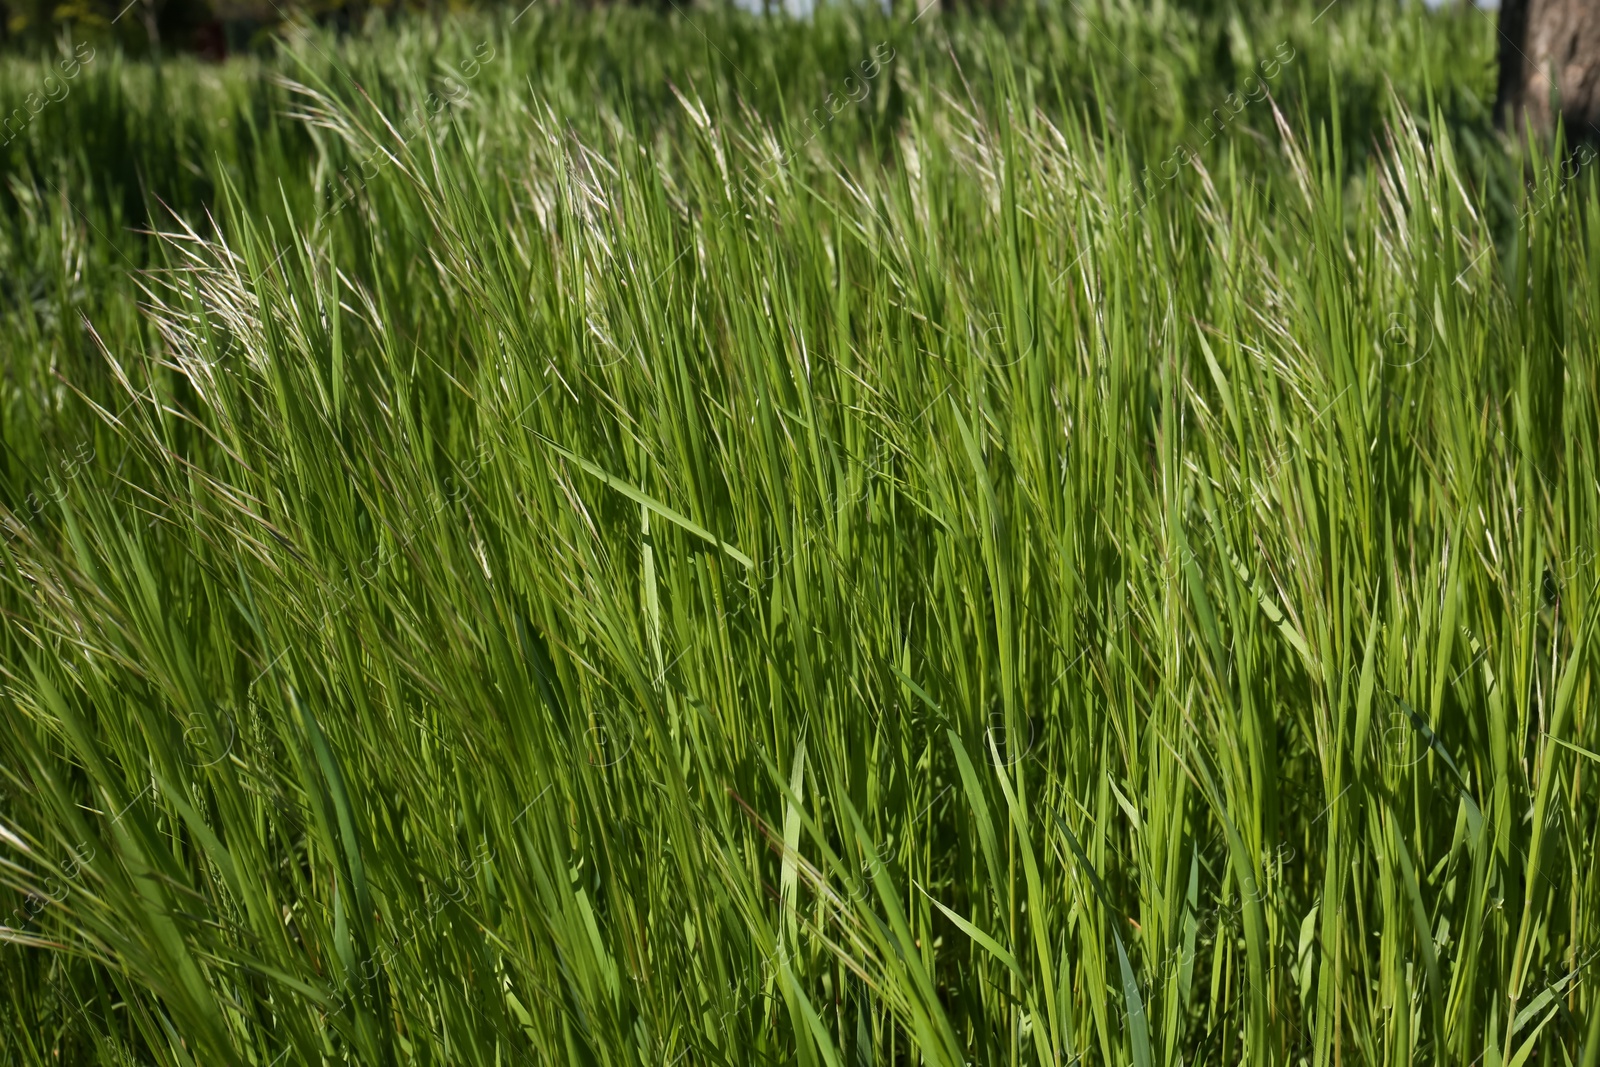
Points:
(613, 536)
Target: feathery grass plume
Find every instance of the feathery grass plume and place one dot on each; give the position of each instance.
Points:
(616, 537)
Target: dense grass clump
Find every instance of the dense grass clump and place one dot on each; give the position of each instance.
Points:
(617, 538)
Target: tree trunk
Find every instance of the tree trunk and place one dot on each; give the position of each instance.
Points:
(1550, 65)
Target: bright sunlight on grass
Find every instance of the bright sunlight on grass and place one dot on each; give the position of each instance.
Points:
(598, 536)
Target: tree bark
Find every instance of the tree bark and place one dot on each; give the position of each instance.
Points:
(1550, 66)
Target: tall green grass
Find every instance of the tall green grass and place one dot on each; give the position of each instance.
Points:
(610, 574)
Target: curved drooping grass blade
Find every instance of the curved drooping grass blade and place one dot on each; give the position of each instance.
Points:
(1138, 1023)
